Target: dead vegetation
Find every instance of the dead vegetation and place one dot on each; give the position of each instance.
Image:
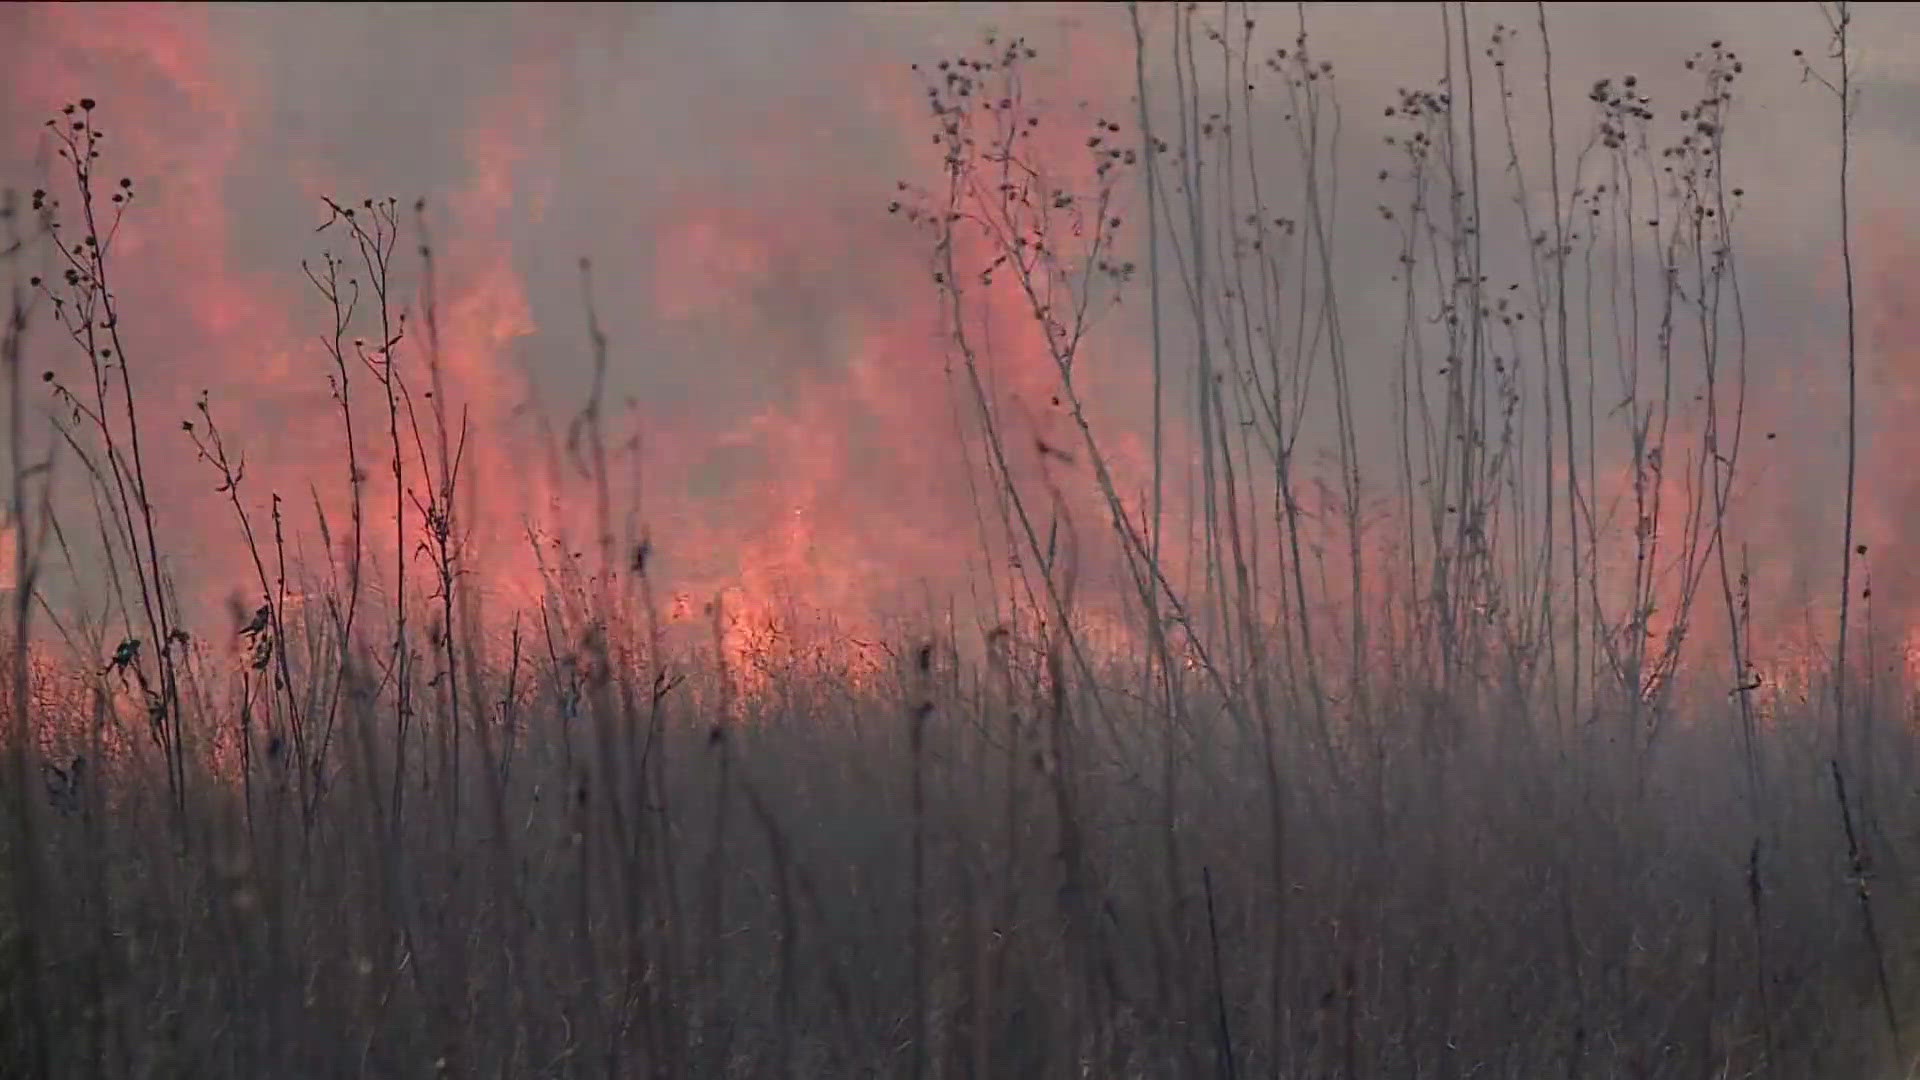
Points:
(1414, 773)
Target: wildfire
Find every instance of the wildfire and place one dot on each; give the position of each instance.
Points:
(785, 416)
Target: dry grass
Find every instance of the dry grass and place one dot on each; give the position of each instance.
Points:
(1477, 815)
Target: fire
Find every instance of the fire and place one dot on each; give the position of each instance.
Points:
(850, 507)
(789, 424)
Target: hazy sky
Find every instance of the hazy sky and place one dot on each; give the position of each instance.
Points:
(727, 166)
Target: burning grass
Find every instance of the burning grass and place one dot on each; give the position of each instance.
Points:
(1229, 764)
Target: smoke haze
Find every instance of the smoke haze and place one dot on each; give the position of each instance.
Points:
(778, 379)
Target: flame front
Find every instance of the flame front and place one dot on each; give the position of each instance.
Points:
(783, 421)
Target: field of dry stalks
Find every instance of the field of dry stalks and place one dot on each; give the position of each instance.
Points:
(1267, 752)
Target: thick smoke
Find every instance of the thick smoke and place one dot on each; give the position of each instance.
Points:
(777, 394)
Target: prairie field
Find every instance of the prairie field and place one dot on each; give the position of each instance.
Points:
(1294, 541)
